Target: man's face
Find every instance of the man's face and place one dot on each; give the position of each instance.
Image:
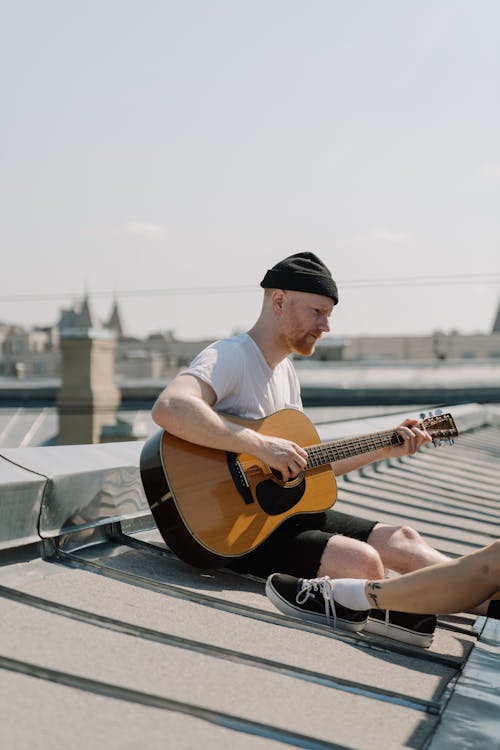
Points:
(304, 318)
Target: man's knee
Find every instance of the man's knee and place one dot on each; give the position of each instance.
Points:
(371, 563)
(350, 558)
(402, 548)
(406, 535)
(387, 537)
(492, 561)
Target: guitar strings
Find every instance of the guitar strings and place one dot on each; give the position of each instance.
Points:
(321, 454)
(330, 451)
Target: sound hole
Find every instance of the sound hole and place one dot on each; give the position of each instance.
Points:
(274, 498)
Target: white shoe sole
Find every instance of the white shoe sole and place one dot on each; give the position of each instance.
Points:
(289, 609)
(397, 633)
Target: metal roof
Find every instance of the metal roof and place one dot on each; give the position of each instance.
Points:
(113, 642)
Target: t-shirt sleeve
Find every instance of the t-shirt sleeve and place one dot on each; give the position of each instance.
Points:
(220, 365)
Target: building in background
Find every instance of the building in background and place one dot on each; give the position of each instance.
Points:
(36, 353)
(438, 346)
(28, 353)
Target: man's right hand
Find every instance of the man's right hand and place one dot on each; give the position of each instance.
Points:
(282, 455)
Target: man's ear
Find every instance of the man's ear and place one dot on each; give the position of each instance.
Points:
(278, 300)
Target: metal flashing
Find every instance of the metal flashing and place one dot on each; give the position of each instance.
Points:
(471, 718)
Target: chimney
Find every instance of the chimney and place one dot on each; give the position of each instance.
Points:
(88, 397)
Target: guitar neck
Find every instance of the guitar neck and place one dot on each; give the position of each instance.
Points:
(335, 450)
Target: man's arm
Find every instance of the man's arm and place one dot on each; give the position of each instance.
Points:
(413, 439)
(184, 408)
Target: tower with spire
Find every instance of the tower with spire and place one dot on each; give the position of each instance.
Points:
(114, 323)
(80, 316)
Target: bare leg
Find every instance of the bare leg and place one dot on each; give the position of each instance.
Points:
(402, 549)
(445, 588)
(344, 556)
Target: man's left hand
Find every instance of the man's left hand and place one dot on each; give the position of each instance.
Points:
(413, 439)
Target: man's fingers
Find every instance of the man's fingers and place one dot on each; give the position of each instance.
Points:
(292, 466)
(286, 457)
(413, 437)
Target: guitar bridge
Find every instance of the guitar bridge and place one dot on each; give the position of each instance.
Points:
(239, 477)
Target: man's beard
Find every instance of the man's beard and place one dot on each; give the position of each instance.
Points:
(305, 345)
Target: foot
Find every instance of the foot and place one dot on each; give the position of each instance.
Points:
(413, 629)
(312, 600)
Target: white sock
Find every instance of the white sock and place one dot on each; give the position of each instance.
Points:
(350, 592)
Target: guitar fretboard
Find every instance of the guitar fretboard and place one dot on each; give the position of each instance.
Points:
(335, 450)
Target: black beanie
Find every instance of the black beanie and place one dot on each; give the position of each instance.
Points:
(302, 272)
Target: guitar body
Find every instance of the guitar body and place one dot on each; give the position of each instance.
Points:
(211, 506)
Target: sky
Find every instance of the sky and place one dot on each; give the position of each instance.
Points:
(169, 153)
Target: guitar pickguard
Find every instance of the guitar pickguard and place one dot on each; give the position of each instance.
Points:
(275, 498)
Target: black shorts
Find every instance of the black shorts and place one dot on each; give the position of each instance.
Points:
(297, 545)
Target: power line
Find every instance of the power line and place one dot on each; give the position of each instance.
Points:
(125, 293)
(427, 280)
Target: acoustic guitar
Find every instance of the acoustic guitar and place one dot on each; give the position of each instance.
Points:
(211, 506)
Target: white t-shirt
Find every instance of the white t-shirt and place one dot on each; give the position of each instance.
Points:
(245, 385)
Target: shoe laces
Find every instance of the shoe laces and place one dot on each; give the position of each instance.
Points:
(324, 585)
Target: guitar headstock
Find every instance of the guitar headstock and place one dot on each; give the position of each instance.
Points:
(441, 427)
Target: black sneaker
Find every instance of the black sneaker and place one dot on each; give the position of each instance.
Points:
(416, 630)
(494, 609)
(313, 600)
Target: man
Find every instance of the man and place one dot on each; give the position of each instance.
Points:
(251, 376)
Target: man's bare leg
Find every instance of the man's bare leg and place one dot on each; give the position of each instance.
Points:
(402, 549)
(344, 556)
